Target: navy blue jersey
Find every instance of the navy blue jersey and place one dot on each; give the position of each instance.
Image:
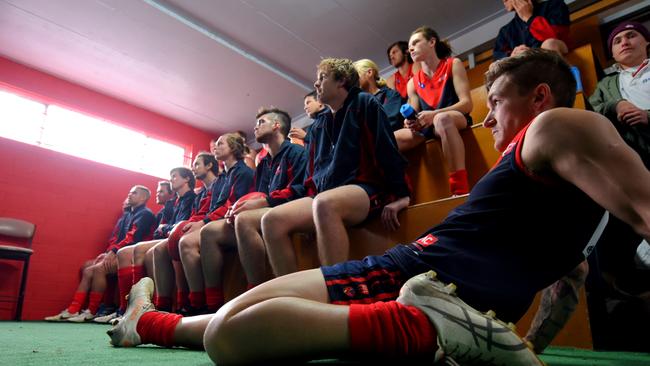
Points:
(354, 146)
(516, 234)
(236, 182)
(550, 19)
(276, 175)
(182, 211)
(138, 225)
(164, 216)
(392, 101)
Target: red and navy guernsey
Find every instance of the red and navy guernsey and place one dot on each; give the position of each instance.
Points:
(276, 175)
(136, 225)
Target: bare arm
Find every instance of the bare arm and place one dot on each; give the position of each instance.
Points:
(414, 101)
(390, 82)
(461, 85)
(585, 149)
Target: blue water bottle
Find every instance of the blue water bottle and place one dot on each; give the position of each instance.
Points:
(576, 75)
(408, 112)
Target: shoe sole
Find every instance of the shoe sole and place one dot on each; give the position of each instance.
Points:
(488, 334)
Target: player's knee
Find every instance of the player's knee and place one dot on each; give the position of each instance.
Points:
(273, 225)
(444, 124)
(219, 341)
(325, 206)
(187, 247)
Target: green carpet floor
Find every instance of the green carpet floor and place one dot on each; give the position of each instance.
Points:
(41, 343)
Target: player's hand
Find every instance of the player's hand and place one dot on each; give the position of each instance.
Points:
(248, 205)
(99, 258)
(110, 262)
(297, 133)
(389, 213)
(519, 49)
(630, 114)
(425, 118)
(192, 226)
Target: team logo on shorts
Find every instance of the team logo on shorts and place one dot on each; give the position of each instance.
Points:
(425, 241)
(349, 291)
(364, 289)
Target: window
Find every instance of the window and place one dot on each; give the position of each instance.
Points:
(69, 132)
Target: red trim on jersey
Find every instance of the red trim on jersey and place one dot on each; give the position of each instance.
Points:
(431, 89)
(542, 30)
(400, 81)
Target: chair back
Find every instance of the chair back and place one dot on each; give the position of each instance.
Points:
(16, 228)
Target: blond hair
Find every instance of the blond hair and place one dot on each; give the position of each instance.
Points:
(364, 65)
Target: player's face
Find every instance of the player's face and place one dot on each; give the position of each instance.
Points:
(263, 128)
(213, 145)
(162, 195)
(326, 86)
(419, 47)
(397, 57)
(629, 48)
(365, 79)
(508, 111)
(136, 197)
(177, 181)
(222, 150)
(312, 107)
(199, 169)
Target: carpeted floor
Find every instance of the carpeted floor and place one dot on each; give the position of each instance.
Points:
(41, 343)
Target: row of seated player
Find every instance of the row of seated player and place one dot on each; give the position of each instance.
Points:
(431, 51)
(325, 130)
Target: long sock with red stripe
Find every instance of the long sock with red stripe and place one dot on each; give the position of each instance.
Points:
(197, 299)
(181, 299)
(214, 298)
(458, 183)
(392, 329)
(77, 302)
(124, 281)
(163, 303)
(138, 273)
(94, 300)
(158, 328)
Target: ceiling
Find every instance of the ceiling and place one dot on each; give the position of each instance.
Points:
(213, 63)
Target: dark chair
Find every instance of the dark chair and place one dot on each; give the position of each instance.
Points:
(16, 230)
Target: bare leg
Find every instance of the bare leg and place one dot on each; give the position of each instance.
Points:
(407, 139)
(86, 279)
(281, 315)
(99, 278)
(214, 236)
(447, 126)
(140, 253)
(333, 210)
(558, 302)
(278, 225)
(125, 257)
(148, 261)
(163, 270)
(252, 254)
(191, 259)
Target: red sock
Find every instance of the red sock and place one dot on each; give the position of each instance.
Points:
(197, 299)
(94, 301)
(213, 298)
(181, 299)
(124, 281)
(138, 273)
(77, 302)
(390, 328)
(163, 303)
(458, 182)
(158, 328)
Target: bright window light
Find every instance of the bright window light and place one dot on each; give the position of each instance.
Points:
(73, 133)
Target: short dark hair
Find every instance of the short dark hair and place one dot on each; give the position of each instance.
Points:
(278, 115)
(166, 184)
(208, 158)
(404, 47)
(185, 173)
(533, 67)
(311, 94)
(443, 50)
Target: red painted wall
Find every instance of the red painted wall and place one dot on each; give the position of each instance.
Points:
(73, 202)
